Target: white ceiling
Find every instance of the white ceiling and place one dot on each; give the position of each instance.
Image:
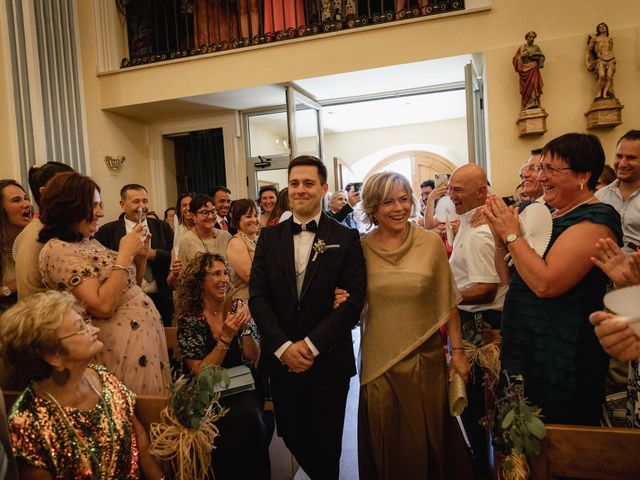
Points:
(390, 112)
(386, 79)
(337, 118)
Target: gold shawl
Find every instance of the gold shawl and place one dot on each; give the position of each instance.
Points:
(410, 295)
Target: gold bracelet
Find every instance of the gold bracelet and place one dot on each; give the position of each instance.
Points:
(120, 267)
(221, 346)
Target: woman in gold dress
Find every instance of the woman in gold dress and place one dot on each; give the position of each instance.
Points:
(404, 426)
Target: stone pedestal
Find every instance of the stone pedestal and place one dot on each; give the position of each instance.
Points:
(603, 113)
(532, 121)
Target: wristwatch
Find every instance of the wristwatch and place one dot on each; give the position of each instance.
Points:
(6, 291)
(512, 237)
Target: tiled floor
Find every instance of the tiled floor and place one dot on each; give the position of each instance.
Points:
(349, 458)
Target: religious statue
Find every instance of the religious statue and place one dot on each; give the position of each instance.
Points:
(599, 59)
(605, 110)
(528, 61)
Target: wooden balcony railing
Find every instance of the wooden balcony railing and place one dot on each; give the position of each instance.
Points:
(160, 30)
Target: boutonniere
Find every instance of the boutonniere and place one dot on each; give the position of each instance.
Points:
(320, 247)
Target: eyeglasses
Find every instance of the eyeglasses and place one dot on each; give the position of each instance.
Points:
(86, 329)
(207, 213)
(548, 169)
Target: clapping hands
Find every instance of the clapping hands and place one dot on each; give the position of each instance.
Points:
(623, 271)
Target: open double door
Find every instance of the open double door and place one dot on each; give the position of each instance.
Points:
(274, 136)
(277, 135)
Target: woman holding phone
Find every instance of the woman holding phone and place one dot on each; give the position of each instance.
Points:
(106, 282)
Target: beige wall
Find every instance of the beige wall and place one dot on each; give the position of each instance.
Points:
(9, 166)
(449, 135)
(108, 133)
(562, 29)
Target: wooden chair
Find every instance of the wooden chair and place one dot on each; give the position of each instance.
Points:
(171, 334)
(589, 453)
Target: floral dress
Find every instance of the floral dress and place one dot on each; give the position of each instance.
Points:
(80, 444)
(135, 347)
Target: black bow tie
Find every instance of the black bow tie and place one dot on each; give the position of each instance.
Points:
(296, 228)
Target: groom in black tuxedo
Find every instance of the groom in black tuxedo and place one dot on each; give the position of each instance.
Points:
(307, 348)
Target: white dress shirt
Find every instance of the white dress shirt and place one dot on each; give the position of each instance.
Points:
(472, 261)
(302, 244)
(629, 211)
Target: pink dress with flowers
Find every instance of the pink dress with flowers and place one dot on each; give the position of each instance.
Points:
(135, 347)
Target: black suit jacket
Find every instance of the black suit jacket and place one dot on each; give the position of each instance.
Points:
(110, 234)
(281, 315)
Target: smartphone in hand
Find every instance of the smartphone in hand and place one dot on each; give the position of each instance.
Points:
(441, 178)
(141, 218)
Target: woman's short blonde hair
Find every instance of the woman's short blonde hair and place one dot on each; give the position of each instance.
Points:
(29, 331)
(380, 187)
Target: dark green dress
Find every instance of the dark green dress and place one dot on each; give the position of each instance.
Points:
(550, 340)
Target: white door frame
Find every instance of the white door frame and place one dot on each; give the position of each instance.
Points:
(233, 151)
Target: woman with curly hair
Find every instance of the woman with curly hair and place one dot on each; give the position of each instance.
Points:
(211, 332)
(106, 282)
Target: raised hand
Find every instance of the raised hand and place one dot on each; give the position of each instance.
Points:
(502, 219)
(610, 258)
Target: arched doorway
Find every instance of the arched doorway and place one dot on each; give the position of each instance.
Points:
(416, 165)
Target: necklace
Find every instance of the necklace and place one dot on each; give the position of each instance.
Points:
(72, 431)
(557, 215)
(246, 238)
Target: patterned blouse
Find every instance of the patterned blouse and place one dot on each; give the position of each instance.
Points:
(196, 341)
(81, 444)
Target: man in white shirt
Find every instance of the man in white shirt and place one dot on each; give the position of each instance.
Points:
(474, 271)
(306, 344)
(623, 194)
(133, 198)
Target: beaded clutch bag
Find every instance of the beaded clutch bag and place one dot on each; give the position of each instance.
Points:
(457, 395)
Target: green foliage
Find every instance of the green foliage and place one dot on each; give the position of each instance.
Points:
(191, 396)
(516, 425)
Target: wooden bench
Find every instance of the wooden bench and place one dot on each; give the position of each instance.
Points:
(589, 453)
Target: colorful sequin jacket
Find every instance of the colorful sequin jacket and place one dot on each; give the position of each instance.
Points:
(43, 439)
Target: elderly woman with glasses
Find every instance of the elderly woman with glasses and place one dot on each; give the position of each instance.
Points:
(546, 333)
(203, 237)
(210, 332)
(75, 419)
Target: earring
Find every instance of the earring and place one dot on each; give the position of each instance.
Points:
(581, 186)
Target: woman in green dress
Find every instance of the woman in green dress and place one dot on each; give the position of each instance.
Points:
(546, 335)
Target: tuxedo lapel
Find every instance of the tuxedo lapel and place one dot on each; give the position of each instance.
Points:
(287, 251)
(324, 229)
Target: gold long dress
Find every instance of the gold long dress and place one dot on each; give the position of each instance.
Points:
(404, 426)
